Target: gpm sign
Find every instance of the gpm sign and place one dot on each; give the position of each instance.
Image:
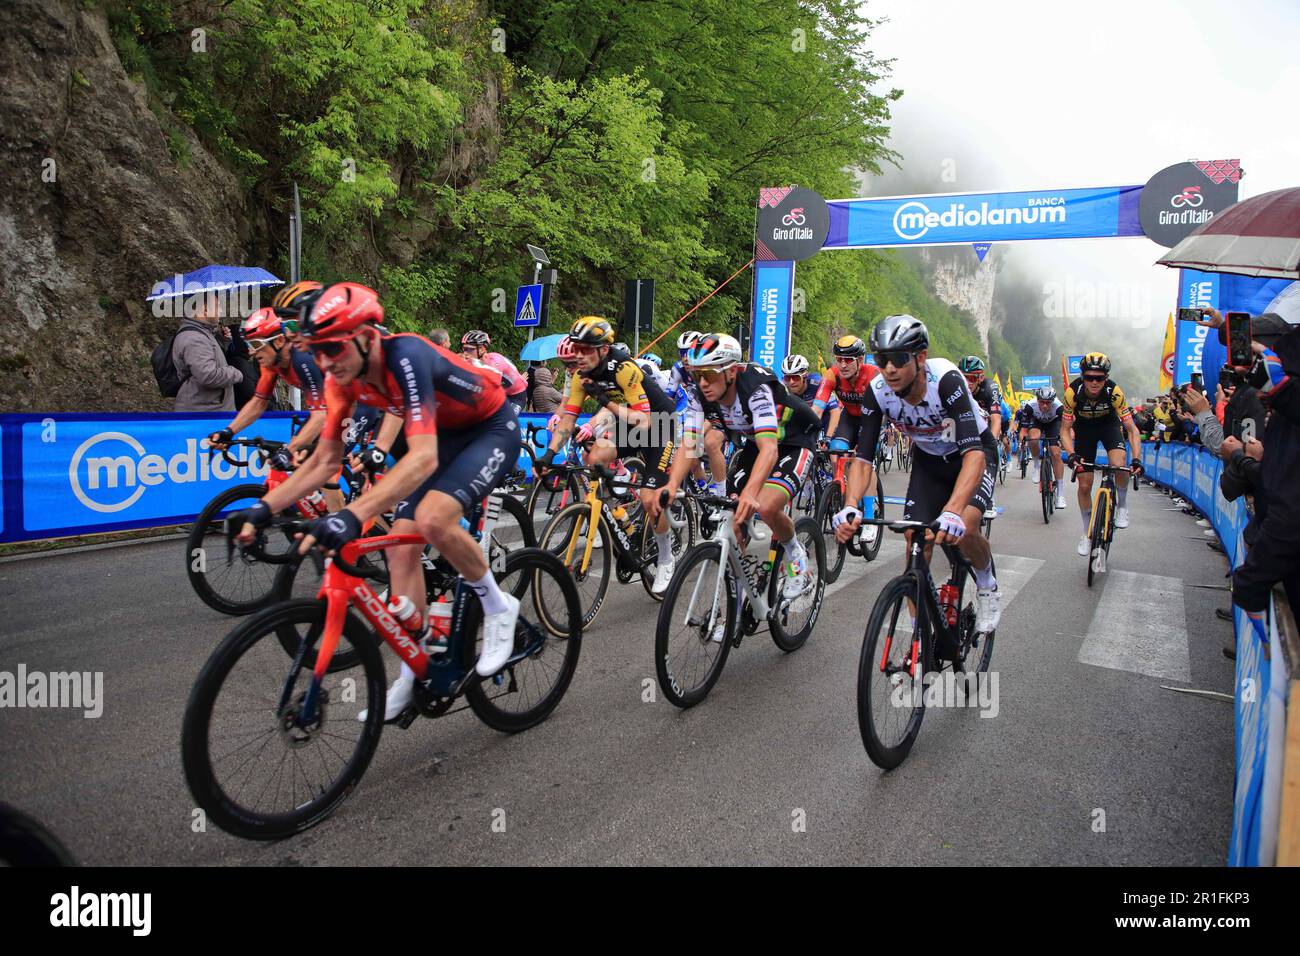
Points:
(89, 475)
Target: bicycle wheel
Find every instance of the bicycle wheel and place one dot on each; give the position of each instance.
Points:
(566, 537)
(240, 586)
(683, 540)
(1097, 533)
(548, 495)
(692, 640)
(869, 551)
(1045, 495)
(792, 623)
(832, 500)
(548, 634)
(891, 675)
(252, 766)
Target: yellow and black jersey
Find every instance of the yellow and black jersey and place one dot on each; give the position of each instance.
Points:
(627, 384)
(1109, 402)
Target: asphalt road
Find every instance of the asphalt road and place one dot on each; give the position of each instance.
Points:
(1084, 763)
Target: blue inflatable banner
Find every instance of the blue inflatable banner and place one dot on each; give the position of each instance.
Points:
(1196, 290)
(1031, 382)
(66, 474)
(961, 218)
(773, 291)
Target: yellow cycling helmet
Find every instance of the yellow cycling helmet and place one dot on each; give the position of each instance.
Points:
(850, 346)
(592, 330)
(287, 297)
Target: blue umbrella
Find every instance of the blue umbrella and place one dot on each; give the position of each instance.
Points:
(539, 350)
(211, 279)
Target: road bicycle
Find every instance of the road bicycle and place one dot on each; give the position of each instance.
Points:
(830, 502)
(904, 452)
(720, 594)
(245, 586)
(267, 755)
(914, 633)
(1004, 459)
(1024, 456)
(1101, 526)
(590, 535)
(1047, 486)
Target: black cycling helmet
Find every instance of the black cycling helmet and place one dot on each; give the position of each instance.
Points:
(900, 333)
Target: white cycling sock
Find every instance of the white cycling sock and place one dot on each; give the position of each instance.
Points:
(664, 542)
(984, 578)
(794, 549)
(489, 595)
(1087, 519)
(1123, 495)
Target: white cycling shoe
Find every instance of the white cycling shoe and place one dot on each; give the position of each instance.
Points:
(800, 580)
(498, 638)
(1084, 546)
(1035, 472)
(1060, 502)
(663, 577)
(988, 609)
(867, 536)
(399, 696)
(1121, 518)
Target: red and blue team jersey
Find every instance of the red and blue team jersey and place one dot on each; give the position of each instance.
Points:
(303, 373)
(430, 387)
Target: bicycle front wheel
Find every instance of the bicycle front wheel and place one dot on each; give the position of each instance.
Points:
(548, 640)
(566, 536)
(832, 500)
(237, 586)
(895, 658)
(254, 763)
(696, 623)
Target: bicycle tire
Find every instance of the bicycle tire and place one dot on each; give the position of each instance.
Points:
(1097, 532)
(678, 695)
(808, 532)
(566, 635)
(870, 551)
(575, 518)
(890, 606)
(196, 729)
(206, 586)
(832, 500)
(551, 493)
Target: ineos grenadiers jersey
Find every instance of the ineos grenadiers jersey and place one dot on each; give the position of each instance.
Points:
(762, 406)
(429, 386)
(1039, 417)
(302, 373)
(946, 420)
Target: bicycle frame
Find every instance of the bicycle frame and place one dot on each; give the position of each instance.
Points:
(927, 607)
(601, 513)
(730, 558)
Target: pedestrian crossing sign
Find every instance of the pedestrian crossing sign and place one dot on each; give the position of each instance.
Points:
(528, 305)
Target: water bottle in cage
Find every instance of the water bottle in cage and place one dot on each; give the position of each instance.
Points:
(948, 597)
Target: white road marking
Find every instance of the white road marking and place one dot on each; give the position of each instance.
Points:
(1140, 625)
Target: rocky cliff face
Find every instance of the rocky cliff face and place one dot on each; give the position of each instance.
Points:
(959, 279)
(93, 211)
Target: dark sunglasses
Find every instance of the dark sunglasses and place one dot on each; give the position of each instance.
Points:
(896, 359)
(709, 375)
(328, 349)
(1094, 378)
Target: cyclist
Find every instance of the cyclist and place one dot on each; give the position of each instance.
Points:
(954, 458)
(474, 345)
(680, 387)
(805, 385)
(1045, 413)
(462, 436)
(1025, 424)
(781, 431)
(987, 396)
(849, 379)
(1095, 411)
(1006, 422)
(643, 421)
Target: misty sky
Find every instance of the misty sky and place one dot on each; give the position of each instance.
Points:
(1033, 94)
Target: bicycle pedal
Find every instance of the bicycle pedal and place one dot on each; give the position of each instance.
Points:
(405, 718)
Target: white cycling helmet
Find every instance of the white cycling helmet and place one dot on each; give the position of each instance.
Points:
(687, 340)
(794, 365)
(715, 351)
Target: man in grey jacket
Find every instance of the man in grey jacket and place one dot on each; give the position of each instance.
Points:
(207, 379)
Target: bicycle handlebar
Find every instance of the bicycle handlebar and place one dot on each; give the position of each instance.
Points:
(713, 501)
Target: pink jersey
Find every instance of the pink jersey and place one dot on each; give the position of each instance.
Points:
(511, 380)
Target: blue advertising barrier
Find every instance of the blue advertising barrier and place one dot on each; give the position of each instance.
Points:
(73, 474)
(1194, 473)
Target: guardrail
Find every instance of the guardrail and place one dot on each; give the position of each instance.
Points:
(74, 474)
(1263, 671)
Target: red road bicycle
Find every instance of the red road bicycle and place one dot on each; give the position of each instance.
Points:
(267, 755)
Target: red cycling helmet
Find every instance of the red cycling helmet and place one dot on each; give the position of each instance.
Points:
(341, 311)
(262, 324)
(565, 351)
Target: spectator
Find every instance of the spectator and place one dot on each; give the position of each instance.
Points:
(546, 397)
(199, 354)
(440, 337)
(1198, 409)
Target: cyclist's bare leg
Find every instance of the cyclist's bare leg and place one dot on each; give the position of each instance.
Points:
(1085, 492)
(772, 502)
(334, 499)
(438, 520)
(713, 448)
(406, 573)
(1058, 465)
(973, 545)
(603, 452)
